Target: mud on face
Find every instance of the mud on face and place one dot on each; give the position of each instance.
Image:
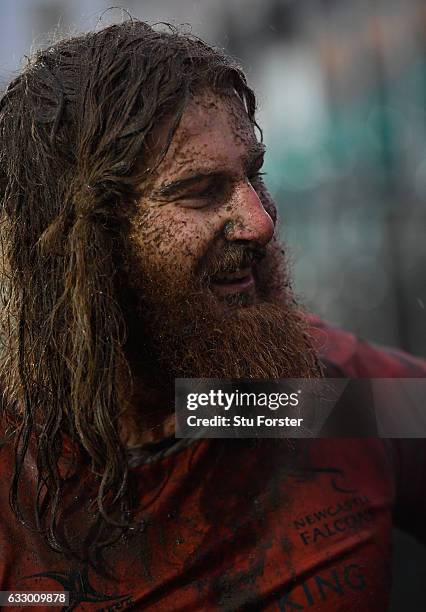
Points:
(210, 280)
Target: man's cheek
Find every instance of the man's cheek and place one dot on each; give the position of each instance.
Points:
(190, 247)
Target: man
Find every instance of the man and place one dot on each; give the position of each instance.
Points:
(138, 246)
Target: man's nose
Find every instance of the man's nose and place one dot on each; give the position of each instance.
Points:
(251, 222)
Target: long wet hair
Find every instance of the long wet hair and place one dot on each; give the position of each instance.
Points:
(73, 130)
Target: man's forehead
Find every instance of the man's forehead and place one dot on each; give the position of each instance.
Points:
(213, 127)
(206, 110)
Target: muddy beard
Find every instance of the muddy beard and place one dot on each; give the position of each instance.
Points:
(182, 330)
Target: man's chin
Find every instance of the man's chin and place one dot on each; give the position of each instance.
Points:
(256, 340)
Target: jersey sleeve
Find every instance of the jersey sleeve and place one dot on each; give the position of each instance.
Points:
(347, 355)
(343, 354)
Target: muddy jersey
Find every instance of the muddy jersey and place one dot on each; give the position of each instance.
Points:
(245, 524)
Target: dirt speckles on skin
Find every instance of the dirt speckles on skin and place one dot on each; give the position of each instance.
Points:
(215, 135)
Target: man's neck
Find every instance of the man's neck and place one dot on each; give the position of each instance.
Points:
(147, 412)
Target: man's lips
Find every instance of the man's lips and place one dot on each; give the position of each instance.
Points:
(233, 282)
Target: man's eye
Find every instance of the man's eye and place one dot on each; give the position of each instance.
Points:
(208, 192)
(202, 198)
(212, 190)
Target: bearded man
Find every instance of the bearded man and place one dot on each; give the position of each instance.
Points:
(138, 245)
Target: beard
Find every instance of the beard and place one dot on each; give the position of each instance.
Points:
(179, 328)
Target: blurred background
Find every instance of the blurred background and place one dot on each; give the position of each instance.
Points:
(341, 88)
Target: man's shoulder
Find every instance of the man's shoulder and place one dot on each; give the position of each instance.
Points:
(345, 354)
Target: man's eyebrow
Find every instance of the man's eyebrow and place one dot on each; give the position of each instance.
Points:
(255, 152)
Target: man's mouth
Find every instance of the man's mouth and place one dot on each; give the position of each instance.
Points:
(233, 282)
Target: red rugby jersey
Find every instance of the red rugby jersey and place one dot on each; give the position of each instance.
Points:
(245, 524)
